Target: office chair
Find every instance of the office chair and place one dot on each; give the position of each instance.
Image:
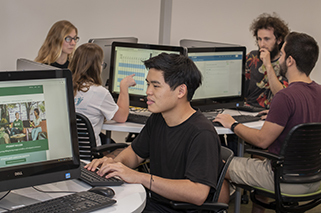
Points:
(212, 206)
(88, 148)
(299, 162)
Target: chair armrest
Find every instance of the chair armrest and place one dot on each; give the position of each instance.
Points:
(109, 147)
(205, 206)
(268, 155)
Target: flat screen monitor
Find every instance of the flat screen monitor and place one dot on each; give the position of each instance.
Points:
(26, 64)
(127, 59)
(188, 43)
(44, 148)
(222, 69)
(105, 44)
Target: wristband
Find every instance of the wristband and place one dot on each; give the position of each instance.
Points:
(150, 185)
(234, 125)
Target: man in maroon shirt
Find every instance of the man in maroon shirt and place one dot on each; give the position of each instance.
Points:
(298, 103)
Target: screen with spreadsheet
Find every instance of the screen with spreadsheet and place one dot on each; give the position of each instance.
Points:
(222, 69)
(127, 59)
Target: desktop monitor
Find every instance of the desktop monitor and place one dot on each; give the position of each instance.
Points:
(33, 155)
(188, 43)
(105, 44)
(26, 64)
(127, 59)
(222, 69)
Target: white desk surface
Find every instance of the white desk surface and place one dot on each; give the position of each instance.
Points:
(130, 197)
(136, 128)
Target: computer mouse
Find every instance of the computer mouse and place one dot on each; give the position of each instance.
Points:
(103, 190)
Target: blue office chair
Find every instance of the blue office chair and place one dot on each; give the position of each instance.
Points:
(299, 162)
(212, 206)
(88, 148)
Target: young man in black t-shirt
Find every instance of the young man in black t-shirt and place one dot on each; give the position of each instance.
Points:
(182, 145)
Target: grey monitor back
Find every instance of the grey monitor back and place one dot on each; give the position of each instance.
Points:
(188, 43)
(105, 44)
(26, 64)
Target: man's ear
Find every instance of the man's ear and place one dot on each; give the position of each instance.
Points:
(279, 40)
(182, 90)
(290, 61)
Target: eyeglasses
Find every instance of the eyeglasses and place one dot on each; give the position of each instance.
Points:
(68, 39)
(104, 65)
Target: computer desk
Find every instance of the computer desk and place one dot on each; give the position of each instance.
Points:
(136, 128)
(130, 197)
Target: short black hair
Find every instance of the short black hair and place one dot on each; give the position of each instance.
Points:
(36, 110)
(177, 70)
(303, 49)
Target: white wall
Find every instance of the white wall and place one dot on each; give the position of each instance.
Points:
(25, 23)
(229, 21)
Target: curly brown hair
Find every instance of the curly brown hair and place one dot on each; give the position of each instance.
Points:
(266, 21)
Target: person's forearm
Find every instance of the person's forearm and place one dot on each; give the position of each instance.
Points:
(128, 158)
(275, 84)
(182, 190)
(250, 135)
(123, 104)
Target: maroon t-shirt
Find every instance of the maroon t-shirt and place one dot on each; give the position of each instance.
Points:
(299, 103)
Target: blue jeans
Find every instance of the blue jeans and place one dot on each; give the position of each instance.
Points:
(35, 132)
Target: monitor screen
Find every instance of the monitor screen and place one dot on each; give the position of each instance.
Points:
(127, 59)
(105, 44)
(38, 135)
(26, 64)
(222, 69)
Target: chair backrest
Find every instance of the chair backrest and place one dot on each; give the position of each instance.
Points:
(86, 137)
(302, 154)
(227, 156)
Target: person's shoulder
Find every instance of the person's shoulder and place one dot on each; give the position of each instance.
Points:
(253, 53)
(200, 122)
(98, 88)
(315, 84)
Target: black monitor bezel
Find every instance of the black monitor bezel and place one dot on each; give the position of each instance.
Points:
(21, 176)
(221, 102)
(136, 100)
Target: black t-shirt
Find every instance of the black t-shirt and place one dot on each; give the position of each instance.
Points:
(61, 66)
(190, 150)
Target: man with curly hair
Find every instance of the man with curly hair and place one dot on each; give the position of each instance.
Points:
(262, 70)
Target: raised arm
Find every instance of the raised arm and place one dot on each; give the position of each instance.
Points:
(274, 82)
(123, 99)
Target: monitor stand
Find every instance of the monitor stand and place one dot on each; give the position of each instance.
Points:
(13, 200)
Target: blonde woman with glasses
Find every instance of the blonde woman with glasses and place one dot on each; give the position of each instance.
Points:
(59, 46)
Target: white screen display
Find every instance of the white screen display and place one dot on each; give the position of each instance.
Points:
(222, 74)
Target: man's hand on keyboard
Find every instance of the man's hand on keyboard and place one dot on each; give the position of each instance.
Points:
(109, 168)
(263, 114)
(225, 119)
(125, 173)
(97, 163)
